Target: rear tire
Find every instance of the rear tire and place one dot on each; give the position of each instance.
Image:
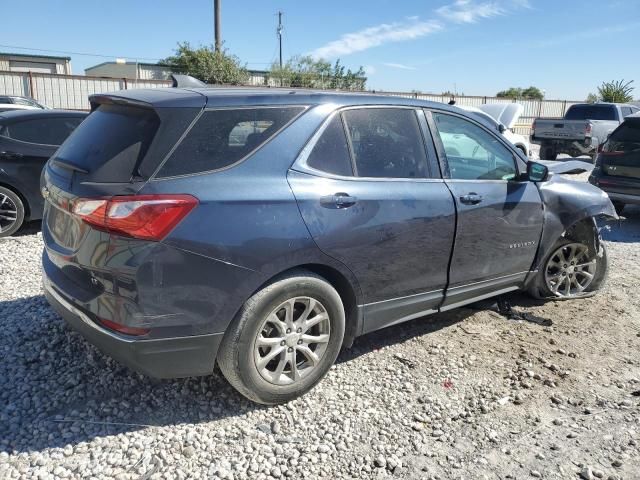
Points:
(11, 212)
(619, 206)
(284, 339)
(547, 152)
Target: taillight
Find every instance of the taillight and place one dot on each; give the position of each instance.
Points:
(533, 128)
(587, 129)
(118, 327)
(148, 217)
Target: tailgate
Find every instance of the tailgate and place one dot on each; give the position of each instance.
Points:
(561, 129)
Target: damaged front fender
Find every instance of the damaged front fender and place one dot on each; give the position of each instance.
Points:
(571, 207)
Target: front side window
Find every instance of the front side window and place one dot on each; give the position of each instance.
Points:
(386, 142)
(223, 137)
(472, 152)
(331, 153)
(45, 131)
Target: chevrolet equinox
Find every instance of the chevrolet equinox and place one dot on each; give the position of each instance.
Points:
(263, 230)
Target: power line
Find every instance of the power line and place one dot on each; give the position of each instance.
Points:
(102, 55)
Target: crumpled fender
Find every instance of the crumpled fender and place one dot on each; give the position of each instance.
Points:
(566, 202)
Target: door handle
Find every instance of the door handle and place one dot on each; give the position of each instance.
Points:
(12, 155)
(471, 198)
(338, 200)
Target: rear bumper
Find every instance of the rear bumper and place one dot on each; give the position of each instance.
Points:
(623, 190)
(159, 358)
(623, 197)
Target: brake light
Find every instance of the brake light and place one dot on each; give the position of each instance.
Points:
(533, 127)
(147, 217)
(118, 327)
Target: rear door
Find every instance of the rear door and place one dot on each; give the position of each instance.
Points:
(372, 197)
(499, 217)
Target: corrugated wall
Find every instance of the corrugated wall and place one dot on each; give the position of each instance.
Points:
(72, 92)
(67, 91)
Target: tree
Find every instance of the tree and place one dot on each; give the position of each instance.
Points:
(616, 91)
(528, 93)
(205, 64)
(513, 92)
(533, 93)
(592, 98)
(307, 72)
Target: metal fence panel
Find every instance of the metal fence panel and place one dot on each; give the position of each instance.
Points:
(72, 92)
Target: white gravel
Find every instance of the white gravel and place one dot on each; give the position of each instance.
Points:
(468, 394)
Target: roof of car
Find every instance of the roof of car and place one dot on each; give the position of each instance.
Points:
(39, 113)
(238, 96)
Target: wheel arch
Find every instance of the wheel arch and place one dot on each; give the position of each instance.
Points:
(345, 285)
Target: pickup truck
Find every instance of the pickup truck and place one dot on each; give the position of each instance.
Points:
(583, 128)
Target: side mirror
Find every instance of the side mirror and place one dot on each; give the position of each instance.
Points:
(502, 128)
(536, 172)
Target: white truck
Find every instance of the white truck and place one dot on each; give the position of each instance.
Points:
(583, 128)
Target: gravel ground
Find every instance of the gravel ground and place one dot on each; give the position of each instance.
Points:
(469, 394)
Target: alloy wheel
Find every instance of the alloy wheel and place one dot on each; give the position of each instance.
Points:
(292, 340)
(570, 270)
(8, 213)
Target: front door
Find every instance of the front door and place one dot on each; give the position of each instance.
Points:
(369, 202)
(499, 216)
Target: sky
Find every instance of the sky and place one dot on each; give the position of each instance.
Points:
(474, 47)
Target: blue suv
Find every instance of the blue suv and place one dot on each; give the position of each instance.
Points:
(263, 230)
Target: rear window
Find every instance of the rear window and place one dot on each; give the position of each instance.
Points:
(44, 131)
(223, 137)
(626, 138)
(591, 112)
(112, 134)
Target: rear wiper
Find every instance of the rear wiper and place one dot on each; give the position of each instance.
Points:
(68, 165)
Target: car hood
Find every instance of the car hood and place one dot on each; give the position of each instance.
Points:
(567, 167)
(505, 113)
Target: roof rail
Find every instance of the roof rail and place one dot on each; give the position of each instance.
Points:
(184, 81)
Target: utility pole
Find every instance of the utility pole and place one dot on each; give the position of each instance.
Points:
(279, 31)
(216, 20)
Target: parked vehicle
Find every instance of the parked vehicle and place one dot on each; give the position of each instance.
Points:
(584, 127)
(15, 102)
(617, 169)
(264, 230)
(27, 139)
(503, 117)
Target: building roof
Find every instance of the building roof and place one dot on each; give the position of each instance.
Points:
(144, 64)
(31, 55)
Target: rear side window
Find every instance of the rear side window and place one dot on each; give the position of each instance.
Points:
(114, 134)
(223, 137)
(386, 143)
(331, 153)
(625, 138)
(44, 131)
(591, 112)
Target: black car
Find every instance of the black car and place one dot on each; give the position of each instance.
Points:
(263, 230)
(617, 169)
(27, 139)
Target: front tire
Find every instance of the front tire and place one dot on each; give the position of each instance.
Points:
(284, 339)
(571, 270)
(11, 212)
(618, 206)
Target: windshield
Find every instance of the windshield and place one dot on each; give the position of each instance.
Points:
(591, 112)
